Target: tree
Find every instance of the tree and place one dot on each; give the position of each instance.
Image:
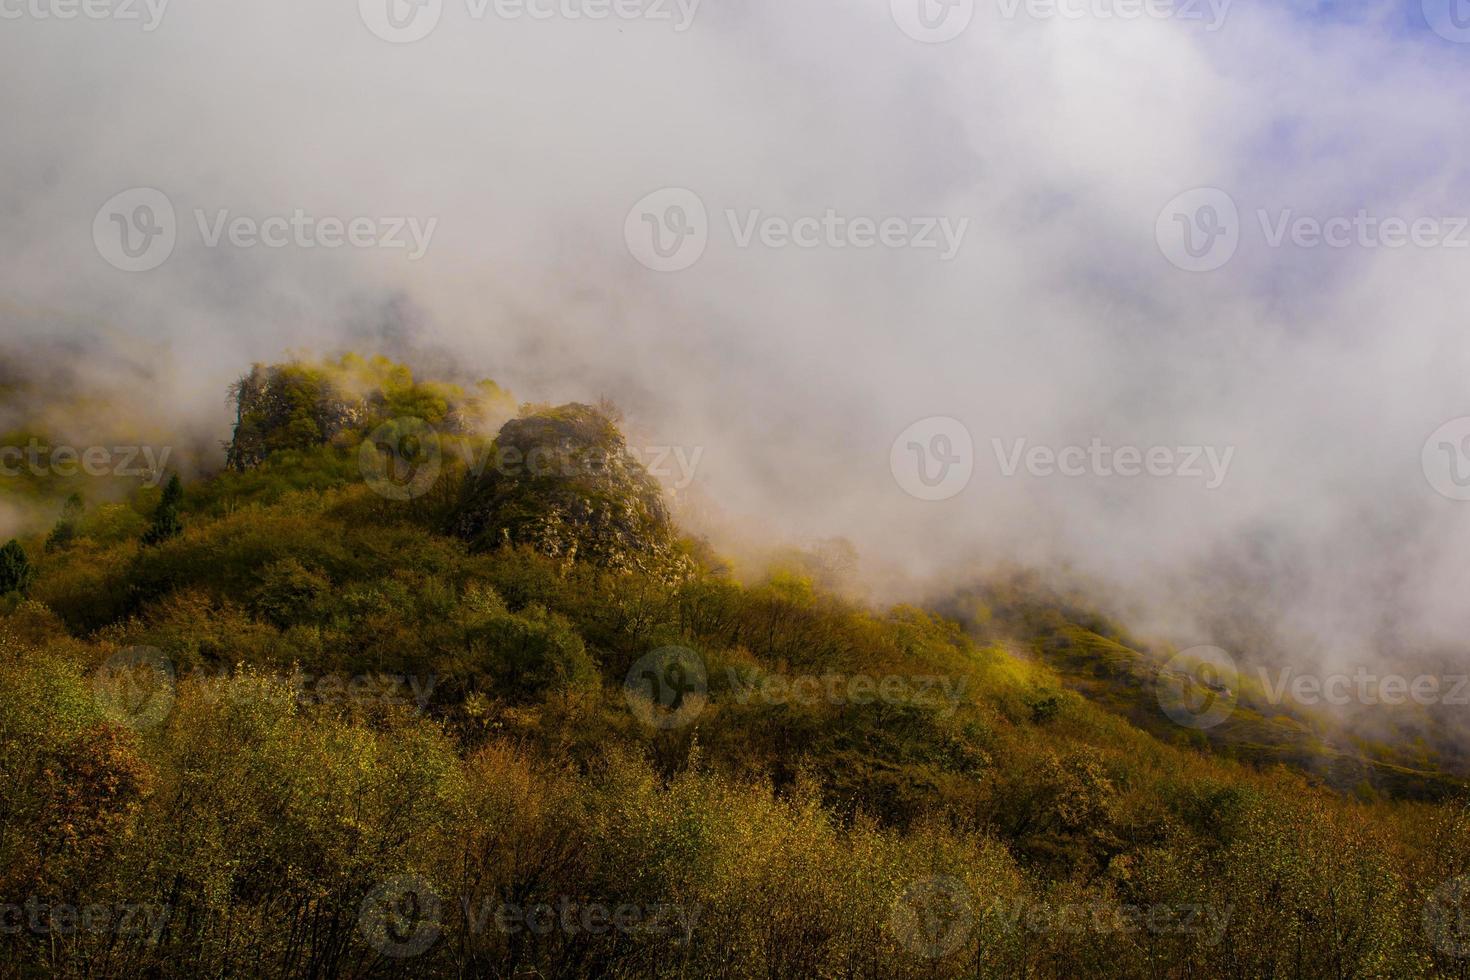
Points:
(65, 530)
(16, 573)
(166, 523)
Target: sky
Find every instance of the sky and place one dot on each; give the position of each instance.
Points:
(1168, 294)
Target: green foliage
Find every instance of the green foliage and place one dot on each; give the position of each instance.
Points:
(65, 531)
(297, 407)
(16, 574)
(1095, 657)
(109, 524)
(531, 654)
(289, 592)
(166, 523)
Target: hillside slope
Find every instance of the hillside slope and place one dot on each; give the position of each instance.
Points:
(1100, 660)
(331, 729)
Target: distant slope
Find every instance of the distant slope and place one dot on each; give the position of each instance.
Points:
(1099, 660)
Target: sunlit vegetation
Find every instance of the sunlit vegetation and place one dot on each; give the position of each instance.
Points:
(1096, 657)
(311, 732)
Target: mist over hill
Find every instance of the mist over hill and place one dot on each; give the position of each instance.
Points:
(1057, 321)
(666, 488)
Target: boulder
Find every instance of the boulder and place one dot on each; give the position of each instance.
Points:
(561, 480)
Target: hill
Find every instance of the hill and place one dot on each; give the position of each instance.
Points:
(1100, 659)
(384, 708)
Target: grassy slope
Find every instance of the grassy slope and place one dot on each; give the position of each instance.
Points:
(1099, 660)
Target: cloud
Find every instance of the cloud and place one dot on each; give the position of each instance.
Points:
(1060, 319)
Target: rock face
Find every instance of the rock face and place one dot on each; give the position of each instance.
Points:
(300, 405)
(561, 480)
(286, 407)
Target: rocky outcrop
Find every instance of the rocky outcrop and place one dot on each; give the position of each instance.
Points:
(562, 481)
(287, 407)
(300, 405)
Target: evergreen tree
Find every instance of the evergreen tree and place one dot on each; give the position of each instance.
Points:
(65, 530)
(166, 523)
(16, 573)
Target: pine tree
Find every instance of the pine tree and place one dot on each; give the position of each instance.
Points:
(16, 573)
(166, 523)
(65, 530)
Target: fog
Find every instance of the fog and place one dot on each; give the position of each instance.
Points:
(1056, 143)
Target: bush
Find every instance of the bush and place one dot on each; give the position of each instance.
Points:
(16, 574)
